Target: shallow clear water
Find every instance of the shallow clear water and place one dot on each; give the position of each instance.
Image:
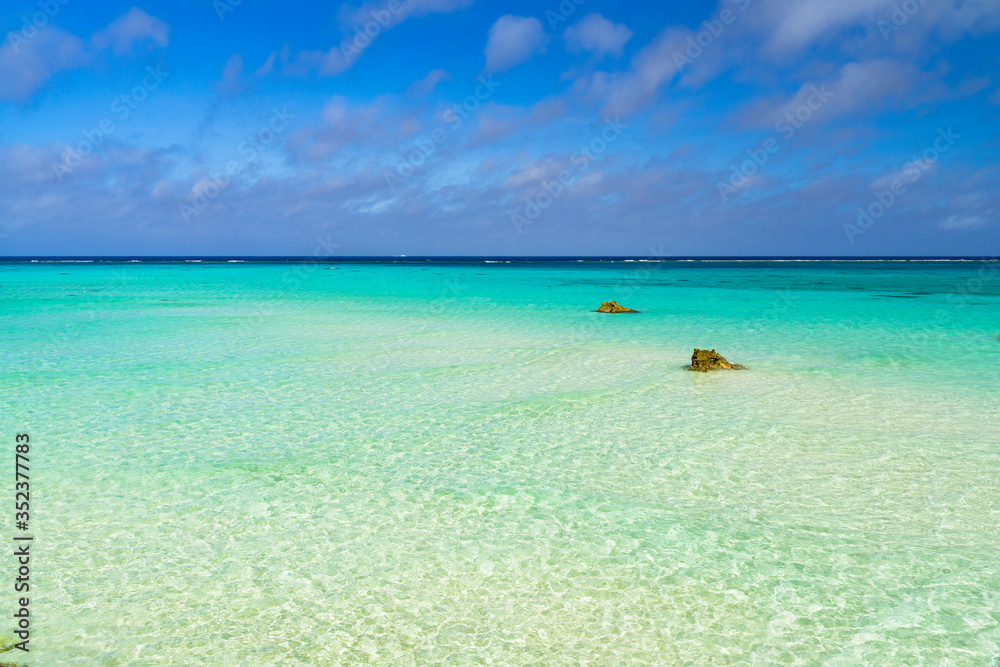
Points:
(462, 464)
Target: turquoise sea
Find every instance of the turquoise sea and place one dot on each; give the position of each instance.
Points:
(461, 463)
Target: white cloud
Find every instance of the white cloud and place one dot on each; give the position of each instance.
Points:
(788, 26)
(955, 18)
(652, 68)
(954, 222)
(369, 128)
(597, 35)
(354, 17)
(860, 87)
(231, 76)
(797, 23)
(864, 85)
(514, 40)
(26, 66)
(363, 26)
(326, 63)
(134, 27)
(426, 85)
(268, 65)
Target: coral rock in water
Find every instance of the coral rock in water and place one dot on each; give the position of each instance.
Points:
(614, 307)
(710, 360)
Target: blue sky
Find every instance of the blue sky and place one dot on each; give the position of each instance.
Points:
(470, 127)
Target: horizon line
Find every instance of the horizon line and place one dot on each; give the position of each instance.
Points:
(522, 258)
